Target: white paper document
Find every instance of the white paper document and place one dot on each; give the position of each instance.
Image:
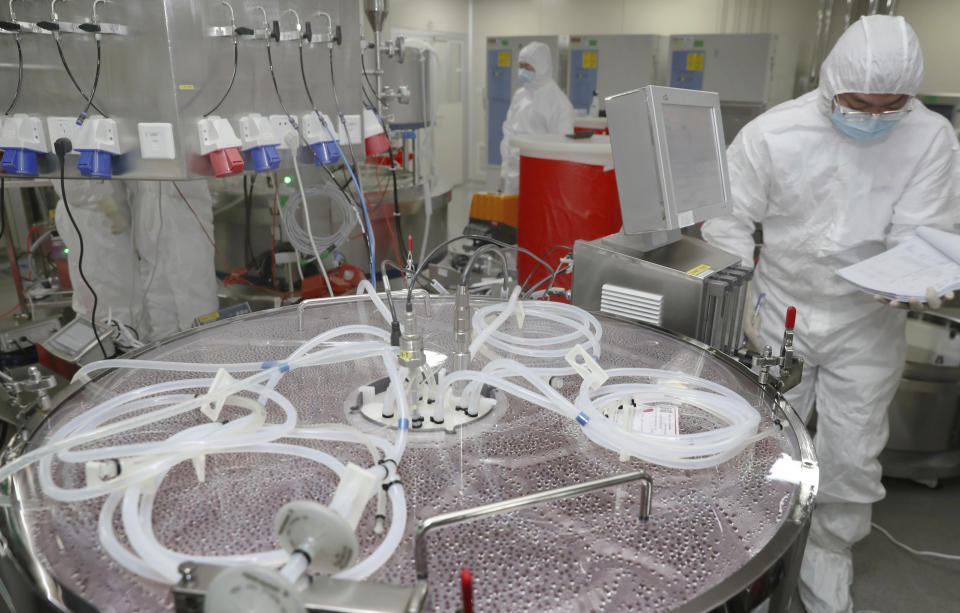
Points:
(930, 259)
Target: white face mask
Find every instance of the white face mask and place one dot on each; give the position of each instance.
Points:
(526, 76)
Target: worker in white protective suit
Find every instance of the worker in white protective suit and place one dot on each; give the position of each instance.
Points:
(539, 106)
(173, 228)
(110, 262)
(836, 176)
(145, 252)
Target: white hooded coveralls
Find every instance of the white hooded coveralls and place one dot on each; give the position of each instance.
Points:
(538, 107)
(176, 258)
(145, 253)
(827, 201)
(109, 256)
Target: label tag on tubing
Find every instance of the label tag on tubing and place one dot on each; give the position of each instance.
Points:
(586, 367)
(660, 420)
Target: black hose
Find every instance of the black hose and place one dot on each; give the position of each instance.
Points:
(96, 81)
(16, 96)
(276, 87)
(386, 286)
(236, 59)
(551, 278)
(66, 206)
(343, 188)
(486, 239)
(73, 79)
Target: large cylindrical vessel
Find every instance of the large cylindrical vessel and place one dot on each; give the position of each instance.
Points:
(568, 192)
(726, 535)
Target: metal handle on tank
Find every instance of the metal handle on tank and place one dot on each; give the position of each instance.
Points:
(513, 504)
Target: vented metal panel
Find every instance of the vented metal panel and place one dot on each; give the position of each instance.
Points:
(632, 304)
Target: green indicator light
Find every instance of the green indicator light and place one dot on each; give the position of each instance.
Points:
(287, 180)
(65, 250)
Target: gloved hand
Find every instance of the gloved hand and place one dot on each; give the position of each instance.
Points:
(933, 303)
(752, 320)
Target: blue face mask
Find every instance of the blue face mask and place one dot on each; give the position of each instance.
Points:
(865, 129)
(526, 76)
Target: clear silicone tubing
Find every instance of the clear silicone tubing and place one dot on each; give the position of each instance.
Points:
(698, 451)
(585, 329)
(83, 375)
(224, 432)
(125, 425)
(483, 334)
(174, 449)
(341, 353)
(62, 442)
(112, 545)
(478, 379)
(150, 549)
(737, 415)
(387, 547)
(301, 237)
(734, 409)
(502, 369)
(365, 287)
(615, 440)
(685, 445)
(222, 439)
(137, 512)
(584, 326)
(210, 438)
(344, 432)
(723, 408)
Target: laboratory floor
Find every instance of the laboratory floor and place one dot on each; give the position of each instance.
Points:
(887, 579)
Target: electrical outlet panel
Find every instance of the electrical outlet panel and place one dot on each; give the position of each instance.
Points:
(283, 127)
(62, 127)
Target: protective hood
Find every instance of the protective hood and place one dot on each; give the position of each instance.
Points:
(538, 55)
(878, 54)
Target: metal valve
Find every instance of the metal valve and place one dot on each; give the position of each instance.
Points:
(790, 365)
(401, 94)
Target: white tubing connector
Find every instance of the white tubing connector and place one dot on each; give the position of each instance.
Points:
(586, 366)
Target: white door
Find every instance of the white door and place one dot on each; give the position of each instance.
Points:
(449, 87)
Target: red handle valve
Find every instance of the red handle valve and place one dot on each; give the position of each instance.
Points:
(791, 317)
(409, 242)
(466, 586)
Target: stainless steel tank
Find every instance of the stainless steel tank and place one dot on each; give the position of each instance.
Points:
(731, 536)
(411, 202)
(924, 442)
(229, 221)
